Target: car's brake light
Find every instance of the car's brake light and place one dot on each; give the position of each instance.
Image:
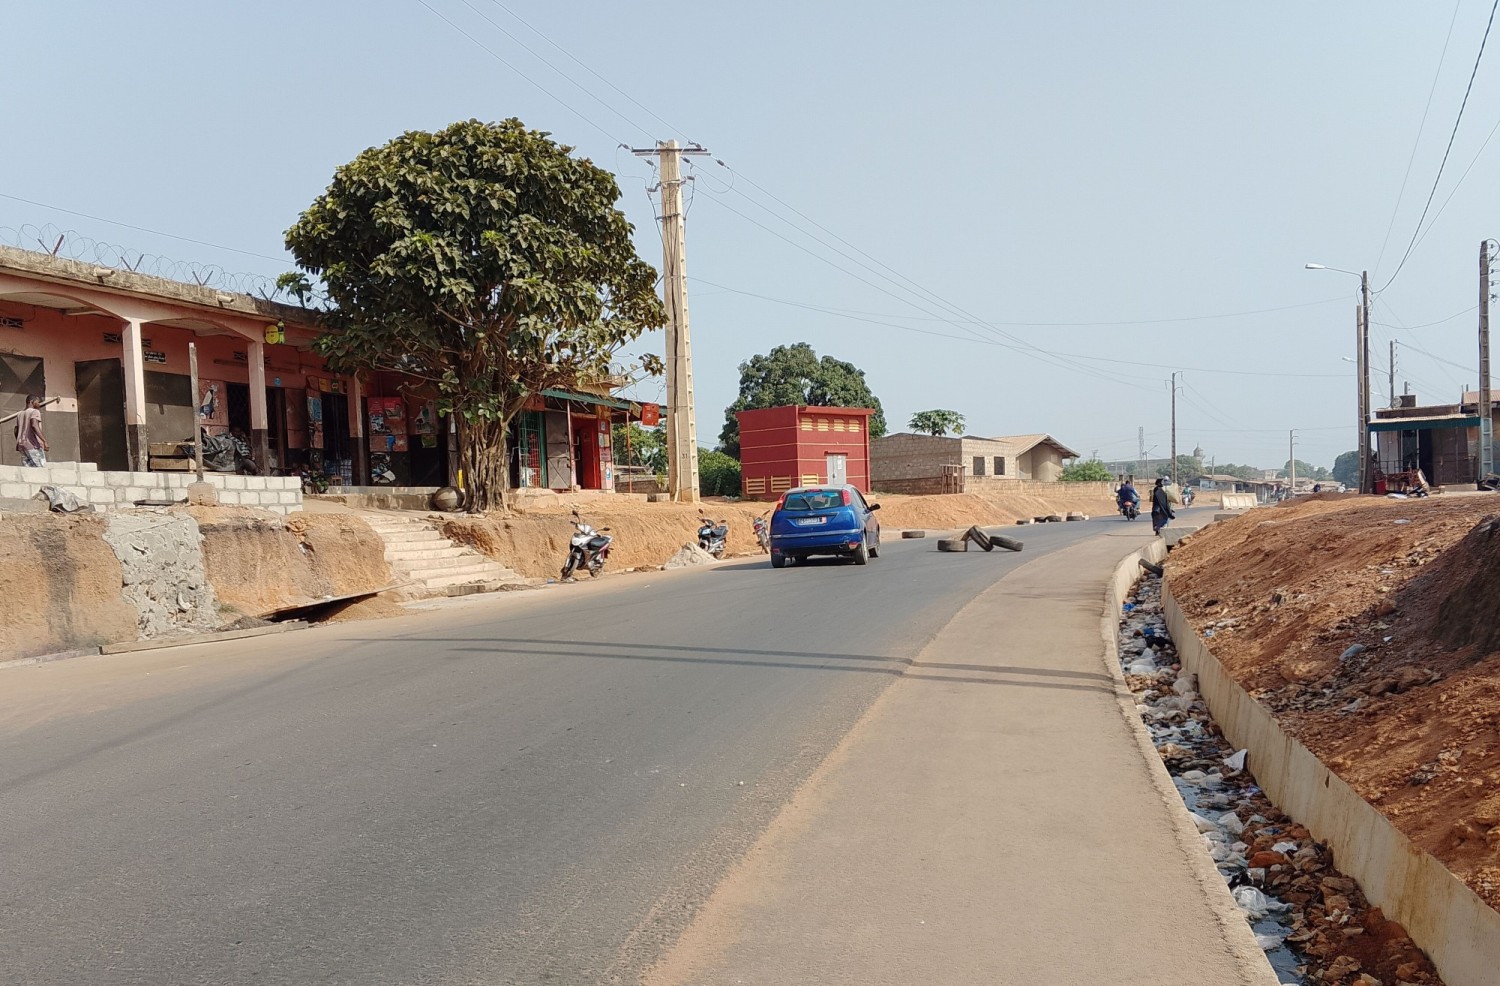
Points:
(781, 501)
(847, 498)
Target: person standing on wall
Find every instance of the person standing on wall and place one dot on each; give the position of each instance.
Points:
(31, 442)
(1161, 507)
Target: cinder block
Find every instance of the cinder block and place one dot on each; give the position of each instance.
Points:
(10, 474)
(101, 496)
(63, 475)
(16, 491)
(234, 482)
(115, 479)
(39, 476)
(287, 497)
(88, 467)
(133, 493)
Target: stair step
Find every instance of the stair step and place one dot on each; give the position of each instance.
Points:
(410, 537)
(475, 574)
(423, 550)
(444, 565)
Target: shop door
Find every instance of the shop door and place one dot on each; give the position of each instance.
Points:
(19, 376)
(838, 468)
(100, 384)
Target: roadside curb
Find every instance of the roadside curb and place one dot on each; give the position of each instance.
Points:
(134, 646)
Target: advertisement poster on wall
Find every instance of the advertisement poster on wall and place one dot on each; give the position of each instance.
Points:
(213, 409)
(387, 424)
(314, 420)
(424, 420)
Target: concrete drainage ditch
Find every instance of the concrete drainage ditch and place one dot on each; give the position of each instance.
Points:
(1312, 921)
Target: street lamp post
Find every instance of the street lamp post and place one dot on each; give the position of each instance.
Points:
(1362, 350)
(1148, 459)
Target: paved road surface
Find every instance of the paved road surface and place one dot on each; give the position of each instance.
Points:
(535, 789)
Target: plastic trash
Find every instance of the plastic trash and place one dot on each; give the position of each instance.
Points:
(1269, 942)
(1353, 649)
(1232, 823)
(1255, 904)
(1185, 683)
(1204, 825)
(1285, 848)
(1236, 760)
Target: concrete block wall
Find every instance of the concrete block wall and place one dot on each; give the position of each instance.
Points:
(898, 458)
(120, 490)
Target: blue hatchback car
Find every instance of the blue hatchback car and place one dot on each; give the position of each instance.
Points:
(824, 520)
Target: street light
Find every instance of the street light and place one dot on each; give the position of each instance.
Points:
(1362, 350)
(1148, 459)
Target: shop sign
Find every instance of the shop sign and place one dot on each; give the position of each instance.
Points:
(154, 356)
(650, 415)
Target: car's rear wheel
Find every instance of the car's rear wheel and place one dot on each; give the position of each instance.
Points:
(778, 560)
(862, 554)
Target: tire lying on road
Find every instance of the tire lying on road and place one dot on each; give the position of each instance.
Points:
(979, 537)
(1054, 519)
(914, 534)
(1008, 543)
(1078, 516)
(1024, 520)
(953, 544)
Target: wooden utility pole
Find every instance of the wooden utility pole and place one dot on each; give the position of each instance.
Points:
(682, 426)
(1392, 372)
(1366, 484)
(1486, 412)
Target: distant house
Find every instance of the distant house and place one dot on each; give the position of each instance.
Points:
(1442, 440)
(912, 463)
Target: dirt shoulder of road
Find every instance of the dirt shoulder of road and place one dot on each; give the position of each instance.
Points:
(534, 541)
(1371, 628)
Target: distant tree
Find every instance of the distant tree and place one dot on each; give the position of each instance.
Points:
(1346, 468)
(1305, 470)
(936, 422)
(1238, 472)
(485, 260)
(718, 474)
(645, 447)
(1087, 471)
(1189, 467)
(794, 375)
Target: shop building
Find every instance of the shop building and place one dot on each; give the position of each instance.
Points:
(111, 347)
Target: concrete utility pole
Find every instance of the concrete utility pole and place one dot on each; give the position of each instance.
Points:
(1140, 437)
(1486, 413)
(1291, 449)
(1366, 484)
(1391, 369)
(1174, 428)
(682, 426)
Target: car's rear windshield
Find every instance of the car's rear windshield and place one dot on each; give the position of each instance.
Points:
(814, 500)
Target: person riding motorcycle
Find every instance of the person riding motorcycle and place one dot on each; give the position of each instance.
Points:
(1127, 493)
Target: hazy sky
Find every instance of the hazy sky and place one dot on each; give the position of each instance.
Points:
(993, 173)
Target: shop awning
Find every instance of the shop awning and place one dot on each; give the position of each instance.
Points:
(573, 395)
(1425, 424)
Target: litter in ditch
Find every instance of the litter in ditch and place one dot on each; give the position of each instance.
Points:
(1312, 921)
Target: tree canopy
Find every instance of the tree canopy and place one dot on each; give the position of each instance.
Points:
(1086, 471)
(794, 375)
(1346, 468)
(1306, 470)
(937, 422)
(484, 259)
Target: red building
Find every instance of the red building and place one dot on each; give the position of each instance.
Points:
(783, 447)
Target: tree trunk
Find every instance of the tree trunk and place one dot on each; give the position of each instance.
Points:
(482, 453)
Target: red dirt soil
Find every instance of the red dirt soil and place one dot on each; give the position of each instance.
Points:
(1412, 719)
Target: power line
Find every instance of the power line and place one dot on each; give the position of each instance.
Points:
(1417, 142)
(143, 229)
(1449, 149)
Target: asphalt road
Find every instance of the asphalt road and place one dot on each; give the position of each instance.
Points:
(540, 788)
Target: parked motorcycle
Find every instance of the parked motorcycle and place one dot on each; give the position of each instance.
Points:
(587, 548)
(713, 535)
(762, 526)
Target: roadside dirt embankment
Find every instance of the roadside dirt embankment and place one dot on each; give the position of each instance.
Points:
(60, 586)
(258, 562)
(534, 542)
(1368, 627)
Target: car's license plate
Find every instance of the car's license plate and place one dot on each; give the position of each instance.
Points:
(810, 521)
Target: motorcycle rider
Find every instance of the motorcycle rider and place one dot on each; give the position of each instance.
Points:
(1126, 494)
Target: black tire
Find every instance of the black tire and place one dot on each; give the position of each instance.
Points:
(980, 538)
(1008, 543)
(572, 564)
(862, 554)
(778, 560)
(953, 544)
(914, 534)
(875, 549)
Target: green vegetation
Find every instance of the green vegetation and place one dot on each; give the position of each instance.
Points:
(1087, 471)
(795, 376)
(718, 474)
(937, 422)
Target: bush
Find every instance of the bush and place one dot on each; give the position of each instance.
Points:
(1088, 471)
(718, 474)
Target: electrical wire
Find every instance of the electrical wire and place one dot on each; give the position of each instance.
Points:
(1417, 142)
(1448, 150)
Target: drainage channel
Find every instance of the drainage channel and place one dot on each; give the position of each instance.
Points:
(1313, 922)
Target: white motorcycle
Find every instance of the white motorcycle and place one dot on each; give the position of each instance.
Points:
(587, 548)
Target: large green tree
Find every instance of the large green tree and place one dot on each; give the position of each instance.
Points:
(1086, 471)
(484, 259)
(794, 375)
(1306, 470)
(937, 422)
(1346, 468)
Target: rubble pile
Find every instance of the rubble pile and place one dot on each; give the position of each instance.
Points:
(1313, 922)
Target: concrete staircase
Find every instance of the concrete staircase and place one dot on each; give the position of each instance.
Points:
(436, 566)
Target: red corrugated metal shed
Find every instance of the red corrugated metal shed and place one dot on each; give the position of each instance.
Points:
(783, 447)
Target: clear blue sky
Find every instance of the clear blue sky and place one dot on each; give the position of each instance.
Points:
(1025, 163)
